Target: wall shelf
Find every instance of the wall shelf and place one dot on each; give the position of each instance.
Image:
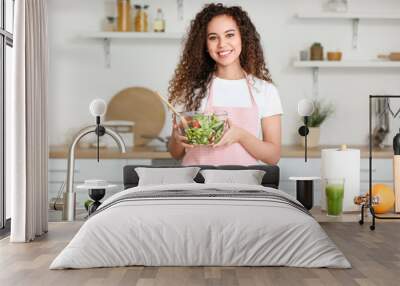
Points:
(316, 65)
(134, 35)
(347, 64)
(354, 17)
(107, 37)
(338, 15)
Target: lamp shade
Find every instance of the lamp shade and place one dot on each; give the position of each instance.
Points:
(305, 107)
(98, 107)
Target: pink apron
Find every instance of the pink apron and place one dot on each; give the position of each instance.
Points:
(234, 154)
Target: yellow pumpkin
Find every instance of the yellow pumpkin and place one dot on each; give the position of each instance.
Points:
(382, 198)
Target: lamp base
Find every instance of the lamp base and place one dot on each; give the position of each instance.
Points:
(96, 195)
(305, 190)
(304, 193)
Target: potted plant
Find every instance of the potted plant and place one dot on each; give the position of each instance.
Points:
(321, 112)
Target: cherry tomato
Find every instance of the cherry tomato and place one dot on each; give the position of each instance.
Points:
(196, 124)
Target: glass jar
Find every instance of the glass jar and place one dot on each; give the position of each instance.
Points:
(337, 6)
(141, 18)
(316, 52)
(124, 16)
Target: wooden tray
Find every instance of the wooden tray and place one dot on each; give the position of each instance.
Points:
(140, 105)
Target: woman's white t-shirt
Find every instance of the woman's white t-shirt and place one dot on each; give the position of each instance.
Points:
(235, 93)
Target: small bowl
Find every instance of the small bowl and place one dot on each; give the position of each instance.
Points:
(334, 56)
(203, 128)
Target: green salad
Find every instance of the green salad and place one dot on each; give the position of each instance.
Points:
(204, 129)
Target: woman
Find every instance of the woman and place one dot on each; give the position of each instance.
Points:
(222, 68)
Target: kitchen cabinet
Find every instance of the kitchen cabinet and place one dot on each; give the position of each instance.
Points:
(107, 169)
(292, 164)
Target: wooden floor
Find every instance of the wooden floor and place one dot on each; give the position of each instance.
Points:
(374, 255)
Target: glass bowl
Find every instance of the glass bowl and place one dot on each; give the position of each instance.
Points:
(203, 128)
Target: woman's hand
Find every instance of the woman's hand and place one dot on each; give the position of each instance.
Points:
(179, 139)
(233, 135)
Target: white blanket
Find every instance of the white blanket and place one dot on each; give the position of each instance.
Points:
(219, 231)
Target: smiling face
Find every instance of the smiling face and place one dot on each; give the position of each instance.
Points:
(224, 43)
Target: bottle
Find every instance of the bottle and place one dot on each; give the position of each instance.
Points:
(145, 18)
(141, 18)
(136, 20)
(124, 16)
(159, 22)
(396, 171)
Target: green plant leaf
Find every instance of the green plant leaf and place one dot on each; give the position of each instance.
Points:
(322, 111)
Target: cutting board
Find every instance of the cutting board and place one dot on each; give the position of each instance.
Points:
(140, 105)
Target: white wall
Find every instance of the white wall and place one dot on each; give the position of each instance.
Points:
(77, 72)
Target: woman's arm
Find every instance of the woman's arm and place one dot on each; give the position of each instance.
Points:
(177, 143)
(269, 149)
(177, 150)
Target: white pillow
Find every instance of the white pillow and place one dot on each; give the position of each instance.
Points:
(164, 176)
(248, 177)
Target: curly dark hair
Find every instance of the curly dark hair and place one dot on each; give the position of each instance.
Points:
(195, 69)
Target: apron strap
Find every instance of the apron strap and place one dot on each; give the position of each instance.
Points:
(253, 101)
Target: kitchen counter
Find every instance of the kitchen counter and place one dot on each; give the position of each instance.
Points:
(61, 152)
(297, 151)
(147, 152)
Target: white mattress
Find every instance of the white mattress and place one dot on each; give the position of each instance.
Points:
(193, 231)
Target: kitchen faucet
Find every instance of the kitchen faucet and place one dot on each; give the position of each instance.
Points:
(69, 196)
(97, 108)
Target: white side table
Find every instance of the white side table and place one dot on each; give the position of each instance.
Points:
(97, 190)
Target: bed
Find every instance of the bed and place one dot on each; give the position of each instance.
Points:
(201, 224)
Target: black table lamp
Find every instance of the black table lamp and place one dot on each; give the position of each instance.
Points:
(305, 108)
(304, 185)
(98, 108)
